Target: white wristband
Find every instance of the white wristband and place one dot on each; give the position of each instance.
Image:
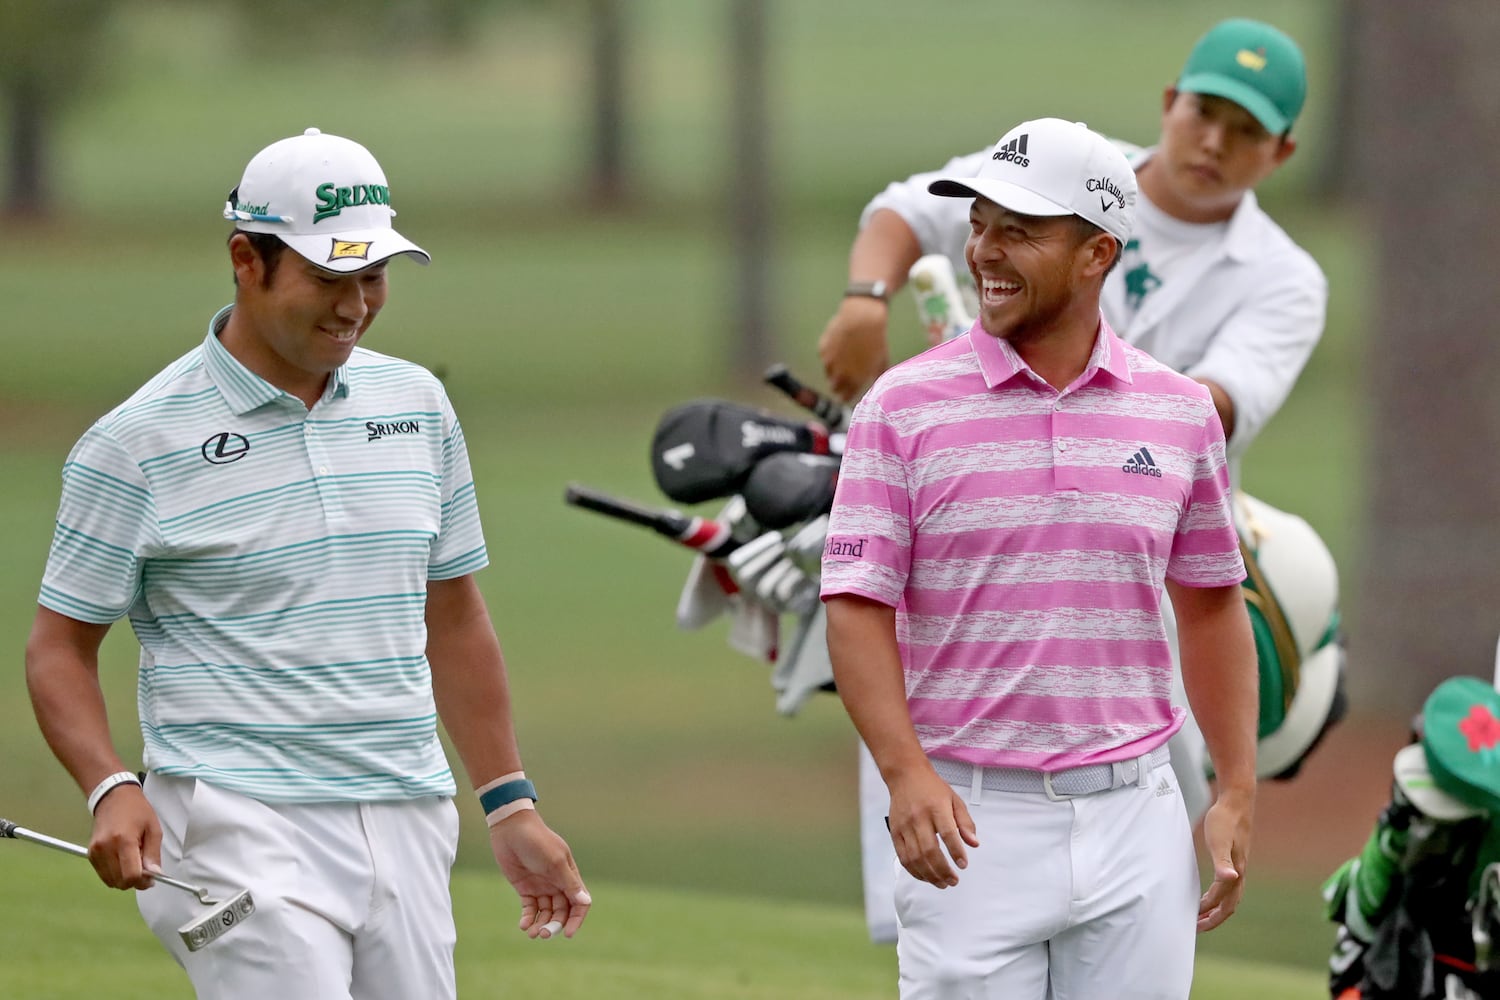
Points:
(102, 789)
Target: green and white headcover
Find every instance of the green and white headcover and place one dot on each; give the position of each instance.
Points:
(1461, 734)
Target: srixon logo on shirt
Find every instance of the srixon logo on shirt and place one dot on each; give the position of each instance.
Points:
(380, 430)
(847, 549)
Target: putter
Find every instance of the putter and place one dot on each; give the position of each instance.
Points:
(196, 933)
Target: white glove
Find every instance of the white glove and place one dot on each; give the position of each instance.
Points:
(767, 575)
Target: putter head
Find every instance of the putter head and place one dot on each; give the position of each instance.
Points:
(214, 924)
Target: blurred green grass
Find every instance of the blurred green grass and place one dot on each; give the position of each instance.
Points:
(564, 332)
(640, 943)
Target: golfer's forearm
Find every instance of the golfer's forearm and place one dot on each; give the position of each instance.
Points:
(1222, 684)
(867, 673)
(884, 250)
(70, 710)
(469, 683)
(473, 700)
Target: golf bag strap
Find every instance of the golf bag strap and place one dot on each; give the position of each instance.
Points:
(1258, 594)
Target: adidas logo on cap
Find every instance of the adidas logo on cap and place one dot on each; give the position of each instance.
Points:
(1014, 151)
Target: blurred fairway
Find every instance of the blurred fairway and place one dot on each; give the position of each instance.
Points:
(640, 944)
(563, 334)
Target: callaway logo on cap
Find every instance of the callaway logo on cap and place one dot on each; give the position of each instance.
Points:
(1051, 167)
(325, 197)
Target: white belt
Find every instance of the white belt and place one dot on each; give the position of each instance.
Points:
(1065, 784)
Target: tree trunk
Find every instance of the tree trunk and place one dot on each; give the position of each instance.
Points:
(749, 190)
(607, 164)
(1335, 170)
(1430, 589)
(26, 193)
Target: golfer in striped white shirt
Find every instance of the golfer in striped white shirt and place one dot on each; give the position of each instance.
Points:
(1010, 506)
(289, 522)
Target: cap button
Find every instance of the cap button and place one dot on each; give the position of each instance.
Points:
(312, 131)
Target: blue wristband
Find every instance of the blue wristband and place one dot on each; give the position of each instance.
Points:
(505, 794)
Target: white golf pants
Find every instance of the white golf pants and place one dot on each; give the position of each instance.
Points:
(878, 857)
(351, 899)
(1087, 898)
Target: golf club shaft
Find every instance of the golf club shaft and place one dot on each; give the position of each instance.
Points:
(9, 829)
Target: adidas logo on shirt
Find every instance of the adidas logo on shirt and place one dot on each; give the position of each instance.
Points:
(1141, 464)
(1163, 788)
(1014, 151)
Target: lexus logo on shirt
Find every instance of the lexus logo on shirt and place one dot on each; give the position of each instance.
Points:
(221, 449)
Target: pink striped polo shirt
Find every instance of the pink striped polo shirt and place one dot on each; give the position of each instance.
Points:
(1023, 535)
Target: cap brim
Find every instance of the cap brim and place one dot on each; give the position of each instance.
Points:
(1240, 93)
(356, 250)
(1003, 193)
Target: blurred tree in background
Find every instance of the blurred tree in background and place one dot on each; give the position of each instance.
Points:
(47, 56)
(1428, 99)
(49, 52)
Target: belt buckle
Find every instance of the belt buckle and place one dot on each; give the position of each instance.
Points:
(1055, 796)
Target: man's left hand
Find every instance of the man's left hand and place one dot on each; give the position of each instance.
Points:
(540, 867)
(1226, 835)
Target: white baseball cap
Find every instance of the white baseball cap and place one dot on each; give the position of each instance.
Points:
(325, 197)
(1054, 167)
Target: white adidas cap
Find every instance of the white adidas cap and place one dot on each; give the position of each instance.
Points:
(327, 199)
(1054, 167)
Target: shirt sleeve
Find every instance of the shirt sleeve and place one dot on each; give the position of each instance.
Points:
(940, 224)
(867, 551)
(1206, 548)
(459, 548)
(106, 526)
(1261, 351)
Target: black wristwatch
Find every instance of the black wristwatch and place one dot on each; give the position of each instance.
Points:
(868, 290)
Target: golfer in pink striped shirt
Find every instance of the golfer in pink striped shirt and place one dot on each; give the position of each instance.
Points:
(1010, 507)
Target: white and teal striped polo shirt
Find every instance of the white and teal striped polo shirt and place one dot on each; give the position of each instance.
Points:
(274, 564)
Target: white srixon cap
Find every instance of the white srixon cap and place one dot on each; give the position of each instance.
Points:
(1054, 167)
(327, 199)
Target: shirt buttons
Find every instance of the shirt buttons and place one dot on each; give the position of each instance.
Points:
(1062, 446)
(322, 470)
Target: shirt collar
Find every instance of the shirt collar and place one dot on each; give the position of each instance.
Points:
(999, 362)
(241, 388)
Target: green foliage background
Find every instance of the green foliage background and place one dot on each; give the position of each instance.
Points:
(564, 332)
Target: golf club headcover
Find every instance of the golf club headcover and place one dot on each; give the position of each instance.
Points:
(805, 547)
(805, 669)
(706, 449)
(787, 488)
(765, 575)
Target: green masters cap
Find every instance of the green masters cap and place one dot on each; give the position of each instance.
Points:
(1252, 64)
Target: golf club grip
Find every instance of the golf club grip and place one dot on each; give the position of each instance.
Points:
(827, 410)
(700, 534)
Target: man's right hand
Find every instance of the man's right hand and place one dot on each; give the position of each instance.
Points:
(125, 847)
(853, 346)
(927, 815)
